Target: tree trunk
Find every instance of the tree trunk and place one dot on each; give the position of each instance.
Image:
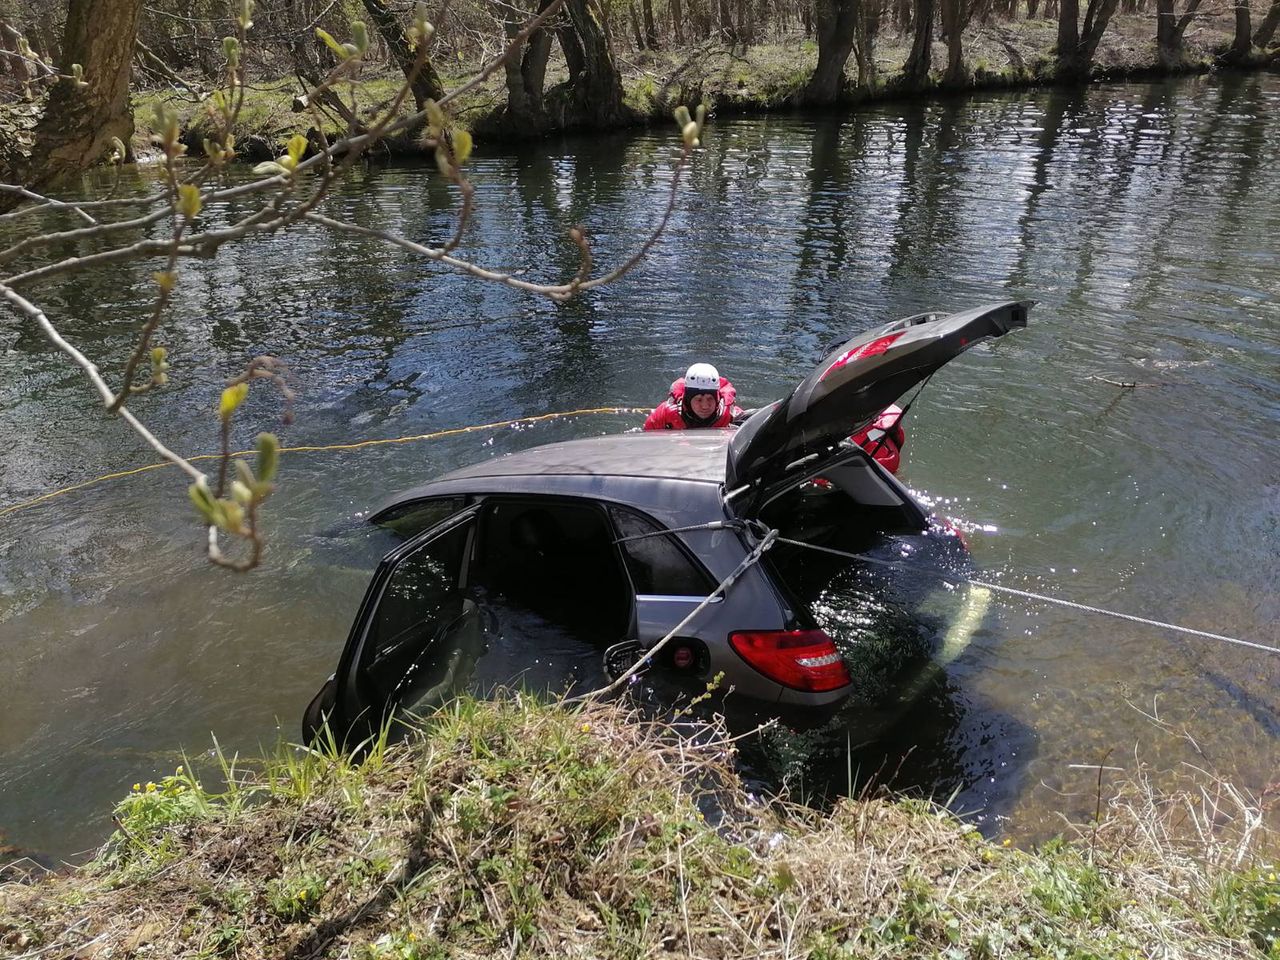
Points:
(1068, 37)
(1032, 6)
(864, 46)
(1169, 30)
(746, 22)
(79, 122)
(920, 62)
(1097, 16)
(1267, 29)
(1243, 41)
(902, 14)
(727, 28)
(677, 21)
(634, 19)
(426, 85)
(650, 25)
(835, 22)
(595, 82)
(953, 26)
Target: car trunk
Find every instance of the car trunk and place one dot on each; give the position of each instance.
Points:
(803, 435)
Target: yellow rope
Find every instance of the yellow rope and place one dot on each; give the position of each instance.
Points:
(14, 508)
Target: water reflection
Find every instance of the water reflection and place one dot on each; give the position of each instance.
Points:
(1144, 218)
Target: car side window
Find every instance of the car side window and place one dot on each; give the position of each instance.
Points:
(657, 564)
(407, 520)
(423, 598)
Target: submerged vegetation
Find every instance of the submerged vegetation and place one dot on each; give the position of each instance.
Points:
(524, 829)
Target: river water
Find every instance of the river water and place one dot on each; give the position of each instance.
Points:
(1145, 219)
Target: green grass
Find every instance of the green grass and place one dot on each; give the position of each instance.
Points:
(527, 829)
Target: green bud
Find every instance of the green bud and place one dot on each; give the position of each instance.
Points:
(435, 118)
(360, 35)
(296, 148)
(461, 146)
(245, 473)
(77, 76)
(231, 50)
(269, 167)
(268, 456)
(682, 116)
(241, 494)
(231, 398)
(189, 200)
(246, 14)
(420, 29)
(338, 50)
(203, 501)
(232, 516)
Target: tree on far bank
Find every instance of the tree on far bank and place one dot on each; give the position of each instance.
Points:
(424, 80)
(1077, 44)
(835, 25)
(87, 109)
(1267, 29)
(915, 72)
(1170, 27)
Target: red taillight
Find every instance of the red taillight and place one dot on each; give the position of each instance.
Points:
(877, 346)
(799, 659)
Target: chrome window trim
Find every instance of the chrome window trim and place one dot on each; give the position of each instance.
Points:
(671, 598)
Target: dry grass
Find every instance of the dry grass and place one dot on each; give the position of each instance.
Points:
(519, 829)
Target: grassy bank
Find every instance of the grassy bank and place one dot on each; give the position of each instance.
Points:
(760, 78)
(520, 829)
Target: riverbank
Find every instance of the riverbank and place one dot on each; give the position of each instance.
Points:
(533, 830)
(761, 78)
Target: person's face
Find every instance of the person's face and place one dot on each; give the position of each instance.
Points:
(703, 405)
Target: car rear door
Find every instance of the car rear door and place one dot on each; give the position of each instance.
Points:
(669, 583)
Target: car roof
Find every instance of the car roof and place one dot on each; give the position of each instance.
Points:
(644, 468)
(664, 454)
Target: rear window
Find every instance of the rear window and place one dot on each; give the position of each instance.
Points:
(659, 566)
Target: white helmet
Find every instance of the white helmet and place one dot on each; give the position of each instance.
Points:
(702, 376)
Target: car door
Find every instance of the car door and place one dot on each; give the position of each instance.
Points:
(800, 436)
(668, 582)
(416, 635)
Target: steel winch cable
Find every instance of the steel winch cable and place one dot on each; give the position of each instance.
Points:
(1029, 595)
(722, 587)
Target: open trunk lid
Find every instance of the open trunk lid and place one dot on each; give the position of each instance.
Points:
(792, 438)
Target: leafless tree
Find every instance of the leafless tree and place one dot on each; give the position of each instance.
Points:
(287, 193)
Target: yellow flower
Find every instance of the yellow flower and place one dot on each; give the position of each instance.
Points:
(586, 727)
(1005, 842)
(137, 787)
(151, 787)
(302, 894)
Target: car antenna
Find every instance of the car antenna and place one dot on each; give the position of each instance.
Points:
(902, 416)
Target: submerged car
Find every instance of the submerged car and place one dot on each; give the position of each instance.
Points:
(608, 537)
